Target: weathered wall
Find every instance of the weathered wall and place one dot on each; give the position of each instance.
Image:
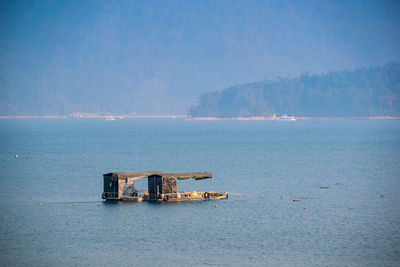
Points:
(109, 185)
(154, 185)
(169, 185)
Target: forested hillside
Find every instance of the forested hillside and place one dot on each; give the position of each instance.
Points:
(373, 91)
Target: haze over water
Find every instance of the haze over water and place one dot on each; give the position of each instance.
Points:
(158, 57)
(263, 164)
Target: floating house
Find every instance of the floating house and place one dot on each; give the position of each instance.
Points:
(160, 187)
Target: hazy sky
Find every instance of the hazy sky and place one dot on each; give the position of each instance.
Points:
(164, 54)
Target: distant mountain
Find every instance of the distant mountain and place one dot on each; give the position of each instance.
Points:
(373, 91)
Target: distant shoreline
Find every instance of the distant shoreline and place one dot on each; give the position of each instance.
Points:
(296, 118)
(186, 118)
(94, 116)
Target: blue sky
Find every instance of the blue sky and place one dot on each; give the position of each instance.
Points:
(164, 54)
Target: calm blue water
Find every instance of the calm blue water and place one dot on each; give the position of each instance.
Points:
(62, 161)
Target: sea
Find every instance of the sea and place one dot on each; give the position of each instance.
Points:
(301, 193)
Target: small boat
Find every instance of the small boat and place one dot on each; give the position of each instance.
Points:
(160, 187)
(286, 118)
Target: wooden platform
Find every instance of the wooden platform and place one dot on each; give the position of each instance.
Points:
(178, 197)
(188, 196)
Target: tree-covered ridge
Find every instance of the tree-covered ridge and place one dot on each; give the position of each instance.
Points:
(373, 91)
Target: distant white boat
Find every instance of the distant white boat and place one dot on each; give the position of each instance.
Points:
(110, 118)
(286, 118)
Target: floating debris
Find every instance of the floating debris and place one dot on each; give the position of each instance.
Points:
(187, 205)
(99, 205)
(216, 206)
(296, 200)
(40, 203)
(305, 207)
(281, 197)
(74, 204)
(137, 205)
(382, 195)
(351, 207)
(250, 207)
(16, 156)
(337, 183)
(324, 187)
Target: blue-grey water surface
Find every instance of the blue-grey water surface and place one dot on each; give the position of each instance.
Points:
(263, 164)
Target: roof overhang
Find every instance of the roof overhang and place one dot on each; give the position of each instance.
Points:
(188, 175)
(145, 174)
(131, 175)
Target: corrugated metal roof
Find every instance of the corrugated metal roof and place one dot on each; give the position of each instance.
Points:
(188, 175)
(134, 175)
(145, 174)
